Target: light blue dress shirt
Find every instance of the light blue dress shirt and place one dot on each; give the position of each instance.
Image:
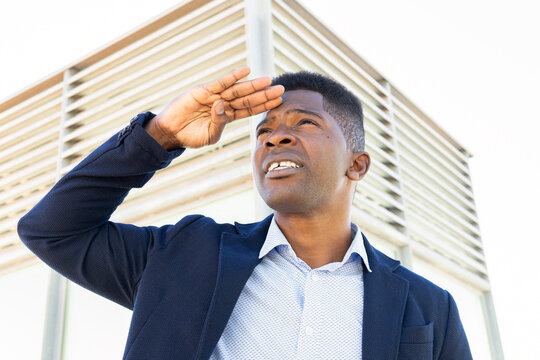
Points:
(287, 310)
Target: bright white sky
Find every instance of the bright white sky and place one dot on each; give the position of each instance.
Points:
(473, 66)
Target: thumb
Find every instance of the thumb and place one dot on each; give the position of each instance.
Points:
(218, 121)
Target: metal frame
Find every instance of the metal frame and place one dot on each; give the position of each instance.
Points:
(261, 61)
(57, 291)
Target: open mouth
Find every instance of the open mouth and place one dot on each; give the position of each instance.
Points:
(281, 165)
(282, 168)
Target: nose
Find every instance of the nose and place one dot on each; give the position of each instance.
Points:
(279, 137)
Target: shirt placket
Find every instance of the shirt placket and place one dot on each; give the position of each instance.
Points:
(310, 331)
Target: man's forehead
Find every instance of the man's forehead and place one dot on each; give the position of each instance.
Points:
(298, 100)
(293, 110)
(302, 95)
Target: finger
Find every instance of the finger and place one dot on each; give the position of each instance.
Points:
(227, 81)
(218, 121)
(250, 111)
(202, 96)
(258, 98)
(245, 88)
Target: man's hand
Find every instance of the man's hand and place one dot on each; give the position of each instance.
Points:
(198, 117)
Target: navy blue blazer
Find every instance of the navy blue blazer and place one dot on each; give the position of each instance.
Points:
(182, 281)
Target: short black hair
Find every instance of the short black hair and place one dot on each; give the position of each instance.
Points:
(338, 101)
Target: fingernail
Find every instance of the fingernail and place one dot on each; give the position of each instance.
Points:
(220, 108)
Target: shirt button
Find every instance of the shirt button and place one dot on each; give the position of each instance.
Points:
(314, 277)
(309, 330)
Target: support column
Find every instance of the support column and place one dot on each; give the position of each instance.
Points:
(260, 59)
(494, 337)
(57, 291)
(54, 320)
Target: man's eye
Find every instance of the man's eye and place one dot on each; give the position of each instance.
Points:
(262, 131)
(307, 122)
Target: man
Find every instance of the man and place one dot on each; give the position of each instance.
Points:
(303, 283)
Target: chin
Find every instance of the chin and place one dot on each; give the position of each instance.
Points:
(289, 203)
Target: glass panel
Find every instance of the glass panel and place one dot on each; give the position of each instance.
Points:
(382, 245)
(469, 302)
(22, 314)
(95, 328)
(239, 207)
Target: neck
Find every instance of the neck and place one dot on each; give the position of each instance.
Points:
(317, 239)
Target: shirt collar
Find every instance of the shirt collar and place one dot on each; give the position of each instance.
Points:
(275, 238)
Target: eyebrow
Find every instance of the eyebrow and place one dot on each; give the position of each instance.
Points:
(291, 111)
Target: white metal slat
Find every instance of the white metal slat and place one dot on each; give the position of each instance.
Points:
(192, 190)
(425, 143)
(409, 153)
(451, 267)
(441, 204)
(378, 141)
(380, 155)
(231, 35)
(364, 202)
(458, 154)
(14, 193)
(152, 56)
(367, 223)
(41, 125)
(411, 168)
(442, 223)
(193, 163)
(383, 184)
(148, 89)
(328, 43)
(16, 209)
(85, 146)
(28, 172)
(8, 241)
(381, 197)
(11, 250)
(145, 43)
(173, 213)
(378, 126)
(323, 60)
(28, 143)
(132, 93)
(413, 181)
(45, 113)
(444, 248)
(21, 161)
(384, 172)
(181, 188)
(31, 104)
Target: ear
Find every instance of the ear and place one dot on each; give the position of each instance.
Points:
(359, 166)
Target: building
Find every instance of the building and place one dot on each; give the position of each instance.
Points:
(416, 204)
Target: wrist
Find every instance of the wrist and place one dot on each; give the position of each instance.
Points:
(162, 137)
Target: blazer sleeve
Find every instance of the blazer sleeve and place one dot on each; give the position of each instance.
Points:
(455, 344)
(69, 229)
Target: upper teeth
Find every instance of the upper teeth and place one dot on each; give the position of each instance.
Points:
(282, 165)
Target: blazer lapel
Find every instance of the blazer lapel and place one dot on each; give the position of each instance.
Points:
(239, 254)
(385, 296)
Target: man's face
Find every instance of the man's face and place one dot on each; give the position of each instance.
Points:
(301, 157)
